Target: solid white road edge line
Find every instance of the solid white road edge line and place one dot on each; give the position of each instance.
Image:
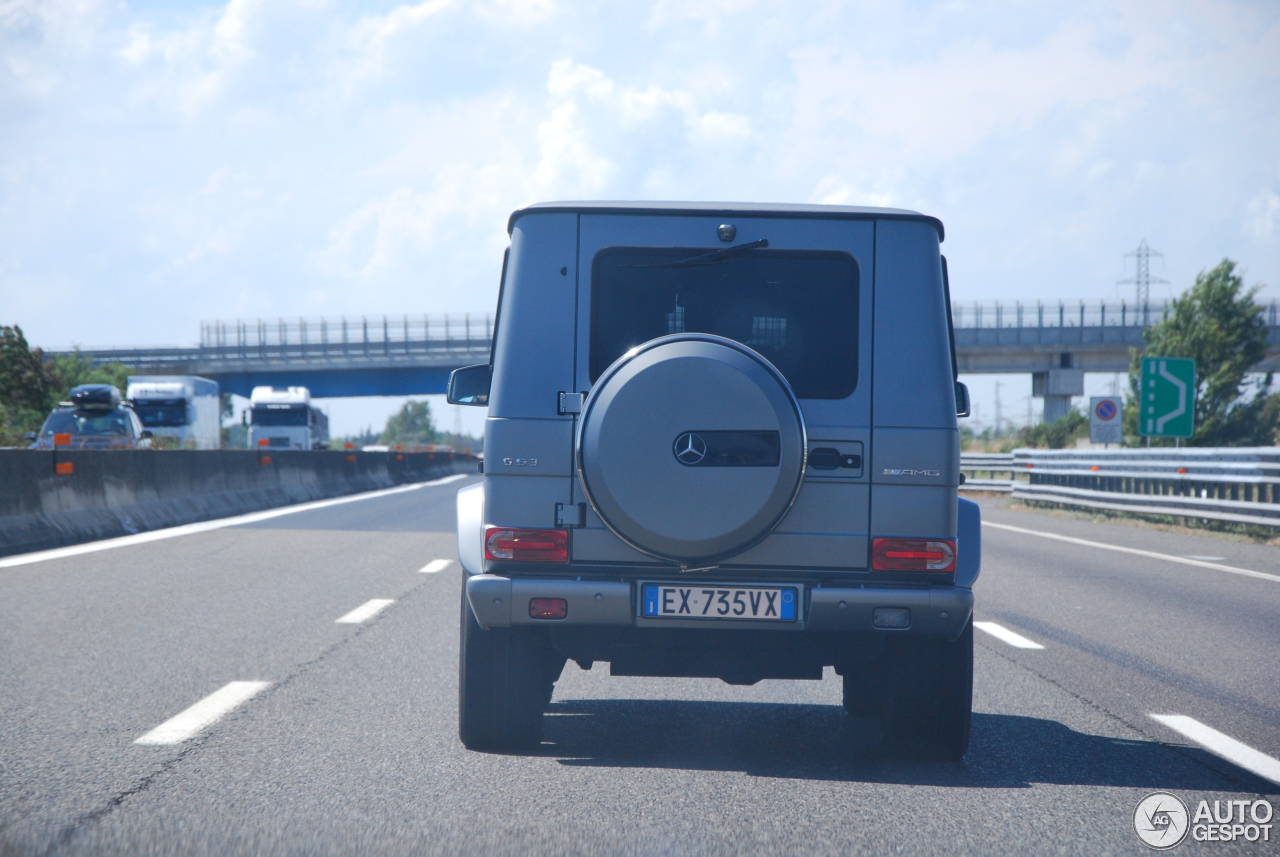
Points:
(206, 526)
(1223, 745)
(435, 565)
(366, 611)
(1136, 552)
(204, 713)
(1003, 634)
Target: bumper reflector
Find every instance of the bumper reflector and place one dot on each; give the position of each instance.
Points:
(891, 617)
(913, 555)
(548, 608)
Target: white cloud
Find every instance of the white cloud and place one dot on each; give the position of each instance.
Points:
(1263, 213)
(303, 156)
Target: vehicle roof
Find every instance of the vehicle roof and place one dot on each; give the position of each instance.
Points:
(726, 209)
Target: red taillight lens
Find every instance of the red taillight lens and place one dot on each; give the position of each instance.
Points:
(913, 555)
(514, 545)
(548, 608)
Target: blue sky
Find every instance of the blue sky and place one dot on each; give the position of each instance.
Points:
(162, 163)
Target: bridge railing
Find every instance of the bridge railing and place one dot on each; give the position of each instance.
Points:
(1224, 484)
(1081, 314)
(365, 330)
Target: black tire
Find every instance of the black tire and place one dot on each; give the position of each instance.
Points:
(928, 697)
(505, 680)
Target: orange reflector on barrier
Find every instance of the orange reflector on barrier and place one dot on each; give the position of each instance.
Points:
(348, 445)
(351, 457)
(62, 439)
(64, 468)
(399, 457)
(262, 441)
(266, 459)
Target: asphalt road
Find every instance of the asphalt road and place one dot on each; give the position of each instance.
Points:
(348, 744)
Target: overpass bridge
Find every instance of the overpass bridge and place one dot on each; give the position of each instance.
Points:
(413, 355)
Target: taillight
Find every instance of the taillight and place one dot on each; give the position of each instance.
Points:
(514, 545)
(913, 555)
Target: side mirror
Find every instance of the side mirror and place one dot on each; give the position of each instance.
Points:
(146, 433)
(962, 400)
(470, 385)
(30, 437)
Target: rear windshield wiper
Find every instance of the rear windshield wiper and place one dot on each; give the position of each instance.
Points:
(715, 257)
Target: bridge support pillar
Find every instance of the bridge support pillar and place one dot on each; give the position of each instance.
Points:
(1056, 407)
(1056, 387)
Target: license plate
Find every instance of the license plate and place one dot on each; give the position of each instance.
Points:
(769, 604)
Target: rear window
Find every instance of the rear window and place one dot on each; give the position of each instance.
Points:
(798, 308)
(280, 415)
(87, 422)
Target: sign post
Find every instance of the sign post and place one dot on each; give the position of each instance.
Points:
(1168, 397)
(1105, 418)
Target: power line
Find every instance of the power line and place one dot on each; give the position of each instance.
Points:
(1142, 279)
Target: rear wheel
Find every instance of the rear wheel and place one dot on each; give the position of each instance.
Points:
(926, 696)
(505, 680)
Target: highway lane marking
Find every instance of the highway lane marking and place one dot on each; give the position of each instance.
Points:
(1205, 558)
(1003, 634)
(204, 713)
(366, 611)
(206, 526)
(1136, 552)
(1223, 745)
(435, 565)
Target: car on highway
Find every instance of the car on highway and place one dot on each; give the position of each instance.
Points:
(93, 418)
(721, 442)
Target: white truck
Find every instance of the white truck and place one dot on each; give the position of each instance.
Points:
(284, 418)
(184, 407)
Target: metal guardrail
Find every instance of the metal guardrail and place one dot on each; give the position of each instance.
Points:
(1080, 314)
(1224, 484)
(381, 342)
(374, 332)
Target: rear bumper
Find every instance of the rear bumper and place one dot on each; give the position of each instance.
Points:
(935, 611)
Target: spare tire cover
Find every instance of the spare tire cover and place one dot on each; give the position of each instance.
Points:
(691, 448)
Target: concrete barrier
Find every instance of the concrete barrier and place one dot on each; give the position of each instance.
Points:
(56, 498)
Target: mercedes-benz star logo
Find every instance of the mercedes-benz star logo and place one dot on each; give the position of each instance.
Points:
(689, 449)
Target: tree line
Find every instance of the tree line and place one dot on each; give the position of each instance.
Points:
(1217, 323)
(32, 383)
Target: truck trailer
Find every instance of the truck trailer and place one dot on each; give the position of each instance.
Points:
(184, 407)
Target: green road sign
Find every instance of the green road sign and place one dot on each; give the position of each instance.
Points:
(1168, 397)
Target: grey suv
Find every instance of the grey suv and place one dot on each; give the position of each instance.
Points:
(721, 442)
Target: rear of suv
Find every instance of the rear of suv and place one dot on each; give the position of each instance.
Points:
(721, 443)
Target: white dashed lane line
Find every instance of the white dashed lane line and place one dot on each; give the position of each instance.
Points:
(1201, 563)
(366, 611)
(435, 565)
(204, 713)
(1004, 635)
(1222, 745)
